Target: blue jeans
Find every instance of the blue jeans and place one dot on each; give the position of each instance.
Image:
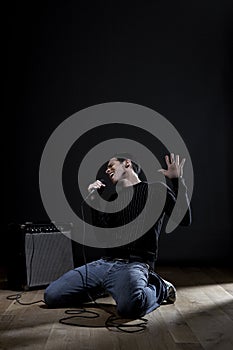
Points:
(127, 282)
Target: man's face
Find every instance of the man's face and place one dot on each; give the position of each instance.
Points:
(116, 170)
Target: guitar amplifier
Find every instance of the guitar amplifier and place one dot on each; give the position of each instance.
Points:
(40, 253)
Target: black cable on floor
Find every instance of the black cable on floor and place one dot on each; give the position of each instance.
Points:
(18, 296)
(111, 322)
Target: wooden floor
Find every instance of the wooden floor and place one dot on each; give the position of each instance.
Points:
(201, 318)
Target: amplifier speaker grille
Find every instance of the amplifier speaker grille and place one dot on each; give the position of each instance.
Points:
(48, 256)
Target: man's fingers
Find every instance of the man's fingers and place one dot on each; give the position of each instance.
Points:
(162, 171)
(100, 183)
(96, 185)
(167, 161)
(177, 159)
(182, 162)
(172, 158)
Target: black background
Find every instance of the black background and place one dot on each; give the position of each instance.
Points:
(173, 57)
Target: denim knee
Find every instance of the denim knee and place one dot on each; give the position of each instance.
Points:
(52, 297)
(133, 308)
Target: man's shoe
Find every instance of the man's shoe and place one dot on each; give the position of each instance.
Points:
(171, 293)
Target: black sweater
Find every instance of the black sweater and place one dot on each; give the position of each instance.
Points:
(143, 244)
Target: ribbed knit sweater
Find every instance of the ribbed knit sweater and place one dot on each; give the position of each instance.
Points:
(142, 243)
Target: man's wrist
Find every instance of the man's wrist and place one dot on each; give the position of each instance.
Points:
(178, 183)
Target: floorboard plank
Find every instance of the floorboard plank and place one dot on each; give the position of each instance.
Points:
(211, 325)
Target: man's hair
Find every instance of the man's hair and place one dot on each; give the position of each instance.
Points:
(135, 164)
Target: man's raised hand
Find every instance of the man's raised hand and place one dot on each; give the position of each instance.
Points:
(174, 166)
